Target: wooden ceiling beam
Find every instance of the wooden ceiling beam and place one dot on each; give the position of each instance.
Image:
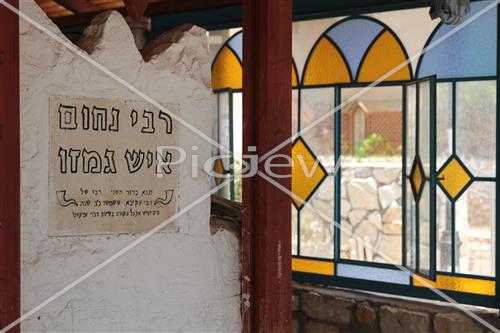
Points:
(136, 8)
(79, 6)
(166, 7)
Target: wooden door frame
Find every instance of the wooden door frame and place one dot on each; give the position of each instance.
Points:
(10, 167)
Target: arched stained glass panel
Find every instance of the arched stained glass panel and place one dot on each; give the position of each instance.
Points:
(353, 37)
(385, 55)
(469, 52)
(356, 50)
(326, 65)
(236, 43)
(295, 77)
(226, 71)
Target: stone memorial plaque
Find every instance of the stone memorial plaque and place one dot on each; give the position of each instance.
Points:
(106, 173)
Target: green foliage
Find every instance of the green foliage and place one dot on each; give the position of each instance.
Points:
(369, 145)
(238, 181)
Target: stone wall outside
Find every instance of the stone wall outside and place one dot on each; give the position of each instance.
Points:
(371, 202)
(331, 310)
(371, 208)
(371, 213)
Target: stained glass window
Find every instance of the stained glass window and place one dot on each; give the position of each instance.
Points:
(227, 78)
(357, 50)
(470, 52)
(368, 206)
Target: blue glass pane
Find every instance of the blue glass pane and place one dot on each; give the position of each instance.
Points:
(353, 38)
(470, 52)
(373, 273)
(236, 43)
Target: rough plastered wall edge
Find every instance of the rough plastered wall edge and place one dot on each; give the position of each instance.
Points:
(186, 280)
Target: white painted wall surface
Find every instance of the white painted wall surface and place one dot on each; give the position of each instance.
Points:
(185, 280)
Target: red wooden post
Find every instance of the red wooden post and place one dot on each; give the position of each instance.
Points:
(9, 168)
(266, 236)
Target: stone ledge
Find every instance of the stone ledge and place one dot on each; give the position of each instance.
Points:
(322, 309)
(225, 215)
(337, 310)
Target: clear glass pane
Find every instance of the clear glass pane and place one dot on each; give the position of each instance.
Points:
(359, 124)
(237, 143)
(444, 137)
(475, 226)
(294, 230)
(224, 121)
(315, 104)
(371, 213)
(475, 126)
(444, 233)
(411, 104)
(372, 273)
(424, 230)
(238, 125)
(424, 126)
(372, 123)
(316, 222)
(410, 227)
(371, 175)
(225, 190)
(215, 127)
(223, 136)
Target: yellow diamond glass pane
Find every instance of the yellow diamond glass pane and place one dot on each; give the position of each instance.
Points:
(226, 71)
(306, 172)
(453, 178)
(326, 65)
(417, 178)
(294, 77)
(458, 283)
(385, 54)
(313, 266)
(219, 170)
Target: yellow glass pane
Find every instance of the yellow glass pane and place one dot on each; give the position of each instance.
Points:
(226, 71)
(313, 266)
(219, 170)
(326, 65)
(461, 284)
(384, 56)
(454, 178)
(417, 179)
(307, 172)
(294, 77)
(417, 176)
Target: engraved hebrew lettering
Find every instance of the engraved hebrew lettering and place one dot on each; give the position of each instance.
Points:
(135, 159)
(115, 118)
(110, 166)
(99, 120)
(67, 117)
(168, 122)
(150, 126)
(92, 162)
(102, 169)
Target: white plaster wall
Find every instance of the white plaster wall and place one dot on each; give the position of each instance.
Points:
(183, 280)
